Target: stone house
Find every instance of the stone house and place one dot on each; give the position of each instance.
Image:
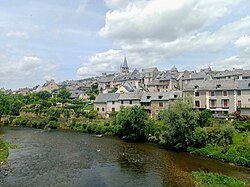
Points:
(48, 86)
(243, 96)
(163, 83)
(154, 102)
(105, 104)
(149, 74)
(219, 96)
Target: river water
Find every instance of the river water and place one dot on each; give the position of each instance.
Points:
(64, 158)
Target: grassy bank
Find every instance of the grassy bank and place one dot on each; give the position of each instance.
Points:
(203, 179)
(237, 152)
(4, 152)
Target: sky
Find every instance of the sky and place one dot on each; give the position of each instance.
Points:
(70, 40)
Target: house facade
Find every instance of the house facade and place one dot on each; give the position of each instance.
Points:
(105, 104)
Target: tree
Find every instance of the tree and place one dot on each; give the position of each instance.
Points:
(63, 94)
(205, 117)
(44, 95)
(180, 120)
(92, 97)
(132, 120)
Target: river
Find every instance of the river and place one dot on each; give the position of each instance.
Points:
(63, 158)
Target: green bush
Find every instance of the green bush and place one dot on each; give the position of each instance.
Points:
(39, 123)
(218, 135)
(52, 125)
(20, 121)
(241, 125)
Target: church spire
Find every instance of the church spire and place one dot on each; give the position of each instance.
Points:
(124, 69)
(125, 63)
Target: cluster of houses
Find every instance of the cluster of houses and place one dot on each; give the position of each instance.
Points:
(77, 89)
(222, 92)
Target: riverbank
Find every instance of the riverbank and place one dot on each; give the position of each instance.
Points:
(203, 179)
(4, 152)
(68, 157)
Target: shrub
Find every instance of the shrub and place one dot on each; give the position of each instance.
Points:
(20, 121)
(52, 125)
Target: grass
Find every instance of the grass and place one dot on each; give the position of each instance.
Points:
(237, 152)
(4, 151)
(203, 179)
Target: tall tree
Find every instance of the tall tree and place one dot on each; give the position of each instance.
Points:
(180, 120)
(132, 120)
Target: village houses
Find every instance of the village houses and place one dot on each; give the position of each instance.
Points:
(222, 92)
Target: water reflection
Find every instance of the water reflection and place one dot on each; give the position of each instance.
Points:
(59, 158)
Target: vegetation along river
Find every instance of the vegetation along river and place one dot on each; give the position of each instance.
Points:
(64, 158)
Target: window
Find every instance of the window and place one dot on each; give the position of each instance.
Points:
(218, 86)
(122, 102)
(130, 102)
(97, 109)
(113, 109)
(160, 104)
(239, 104)
(239, 92)
(113, 102)
(249, 85)
(212, 93)
(148, 97)
(197, 103)
(224, 103)
(224, 93)
(175, 96)
(102, 109)
(196, 94)
(160, 96)
(213, 103)
(196, 86)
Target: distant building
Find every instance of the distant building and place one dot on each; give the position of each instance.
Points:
(48, 86)
(124, 69)
(105, 104)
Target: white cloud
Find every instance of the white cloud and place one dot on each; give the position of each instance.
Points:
(17, 34)
(162, 19)
(243, 42)
(116, 3)
(27, 71)
(231, 62)
(108, 61)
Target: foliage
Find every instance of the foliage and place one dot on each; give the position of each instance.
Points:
(180, 121)
(39, 123)
(43, 95)
(63, 94)
(92, 97)
(204, 118)
(52, 124)
(91, 114)
(20, 121)
(238, 152)
(132, 121)
(97, 128)
(203, 179)
(4, 153)
(242, 125)
(213, 135)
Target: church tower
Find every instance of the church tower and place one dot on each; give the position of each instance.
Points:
(124, 69)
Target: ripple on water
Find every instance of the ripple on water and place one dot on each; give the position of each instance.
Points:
(60, 158)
